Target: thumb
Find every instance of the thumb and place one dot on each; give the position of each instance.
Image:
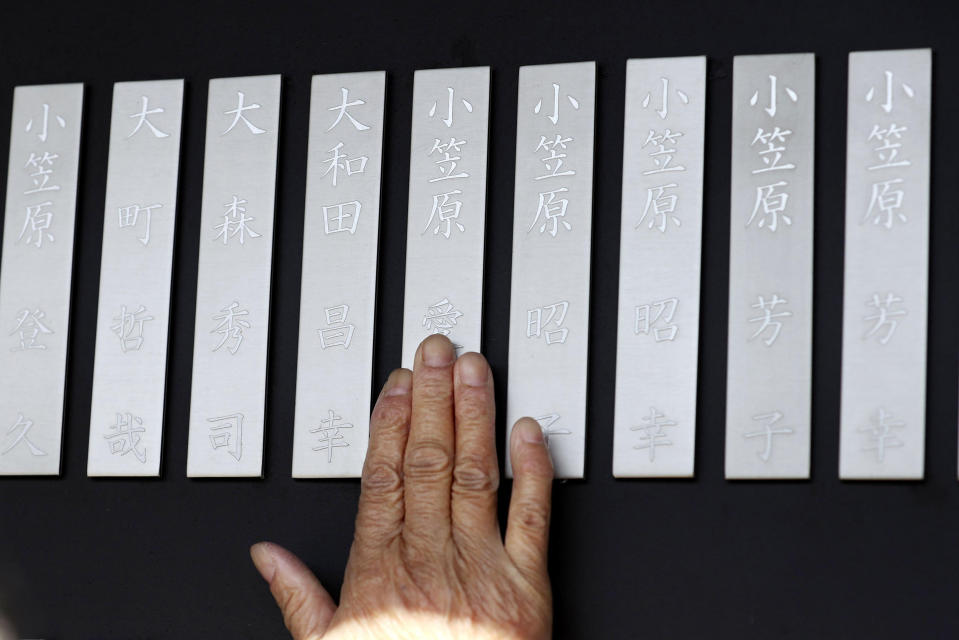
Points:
(306, 606)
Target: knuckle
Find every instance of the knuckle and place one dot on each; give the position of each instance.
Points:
(473, 410)
(533, 517)
(435, 384)
(294, 605)
(474, 474)
(391, 412)
(537, 468)
(381, 477)
(428, 459)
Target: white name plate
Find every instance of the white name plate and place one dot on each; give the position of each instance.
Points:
(446, 226)
(233, 287)
(552, 226)
(338, 294)
(885, 287)
(660, 247)
(769, 370)
(133, 316)
(35, 275)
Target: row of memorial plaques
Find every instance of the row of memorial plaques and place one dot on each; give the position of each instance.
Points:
(770, 293)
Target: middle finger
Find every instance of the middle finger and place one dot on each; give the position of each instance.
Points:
(428, 464)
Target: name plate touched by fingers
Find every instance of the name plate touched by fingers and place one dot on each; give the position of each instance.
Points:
(660, 246)
(35, 275)
(337, 300)
(133, 316)
(552, 226)
(769, 374)
(885, 288)
(446, 222)
(233, 285)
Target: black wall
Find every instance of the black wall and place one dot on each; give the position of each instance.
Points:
(167, 558)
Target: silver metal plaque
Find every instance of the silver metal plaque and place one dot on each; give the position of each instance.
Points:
(769, 370)
(660, 247)
(882, 416)
(129, 373)
(233, 287)
(446, 223)
(338, 294)
(552, 226)
(35, 275)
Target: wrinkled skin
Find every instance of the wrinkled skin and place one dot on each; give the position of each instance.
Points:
(428, 559)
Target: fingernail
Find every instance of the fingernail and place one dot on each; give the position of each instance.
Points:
(399, 383)
(473, 370)
(263, 560)
(530, 431)
(437, 351)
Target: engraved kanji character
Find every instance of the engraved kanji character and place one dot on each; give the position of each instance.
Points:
(235, 222)
(885, 204)
(330, 436)
(773, 96)
(20, 428)
(129, 215)
(441, 317)
(30, 326)
(657, 317)
(884, 319)
(232, 322)
(768, 318)
(651, 432)
(768, 431)
(552, 209)
(342, 111)
(880, 435)
(663, 151)
(238, 116)
(537, 326)
(448, 120)
(663, 110)
(554, 116)
(660, 208)
(770, 207)
(342, 162)
(887, 101)
(143, 118)
(36, 224)
(124, 436)
(341, 217)
(337, 332)
(227, 431)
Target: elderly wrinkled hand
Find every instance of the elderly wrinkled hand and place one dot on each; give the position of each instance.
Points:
(428, 559)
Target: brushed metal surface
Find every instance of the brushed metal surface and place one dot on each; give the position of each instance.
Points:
(35, 275)
(446, 223)
(338, 292)
(233, 285)
(769, 369)
(659, 275)
(552, 227)
(133, 315)
(885, 286)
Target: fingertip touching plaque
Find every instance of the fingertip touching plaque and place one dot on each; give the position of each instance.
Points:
(338, 292)
(885, 285)
(660, 246)
(446, 224)
(133, 314)
(769, 366)
(552, 227)
(36, 274)
(233, 284)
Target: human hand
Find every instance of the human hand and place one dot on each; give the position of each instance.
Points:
(427, 559)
